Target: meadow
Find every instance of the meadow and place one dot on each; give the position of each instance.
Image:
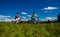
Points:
(29, 30)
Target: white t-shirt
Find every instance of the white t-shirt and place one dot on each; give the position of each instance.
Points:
(17, 18)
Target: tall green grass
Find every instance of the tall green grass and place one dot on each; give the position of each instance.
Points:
(29, 30)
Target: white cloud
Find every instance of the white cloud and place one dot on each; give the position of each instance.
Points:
(5, 18)
(51, 18)
(24, 13)
(2, 16)
(50, 8)
(42, 20)
(23, 17)
(29, 15)
(1, 20)
(9, 19)
(29, 18)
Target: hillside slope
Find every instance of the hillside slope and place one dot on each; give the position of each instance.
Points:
(29, 30)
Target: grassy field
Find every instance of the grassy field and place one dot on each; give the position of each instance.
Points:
(29, 30)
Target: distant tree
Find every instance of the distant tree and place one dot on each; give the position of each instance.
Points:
(48, 21)
(58, 17)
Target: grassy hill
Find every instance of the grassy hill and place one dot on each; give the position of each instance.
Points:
(29, 30)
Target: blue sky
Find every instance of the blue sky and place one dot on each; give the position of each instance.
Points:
(45, 9)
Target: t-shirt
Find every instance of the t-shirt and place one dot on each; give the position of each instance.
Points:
(33, 16)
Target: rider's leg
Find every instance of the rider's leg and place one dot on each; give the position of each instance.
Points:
(34, 21)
